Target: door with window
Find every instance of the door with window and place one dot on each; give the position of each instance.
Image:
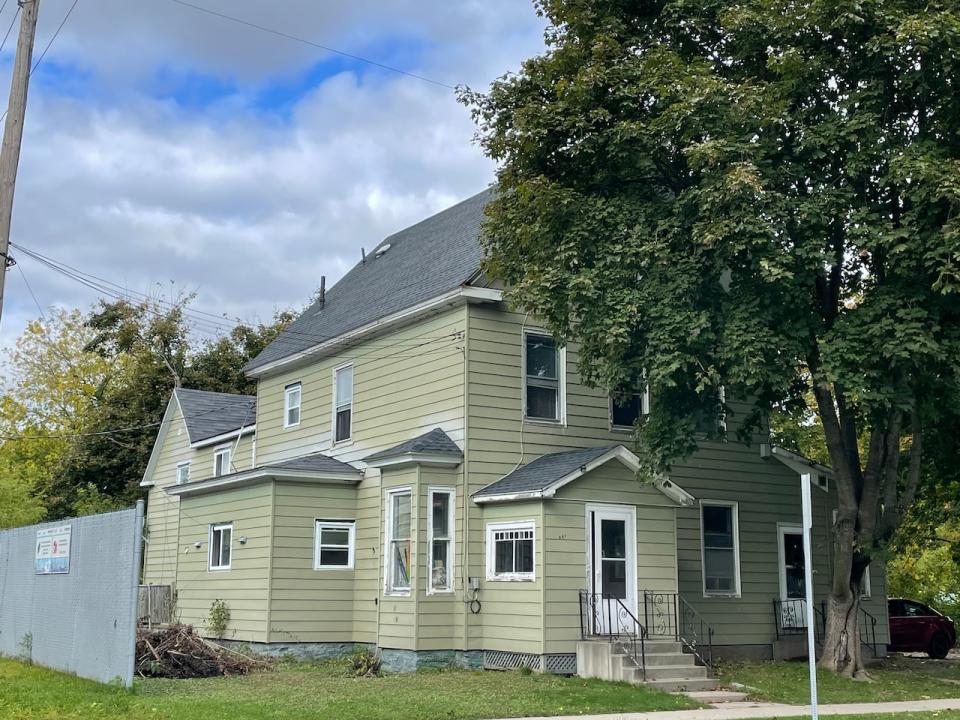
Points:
(793, 584)
(612, 567)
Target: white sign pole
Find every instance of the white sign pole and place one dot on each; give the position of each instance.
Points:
(808, 582)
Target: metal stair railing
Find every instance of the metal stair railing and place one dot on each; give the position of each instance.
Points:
(605, 616)
(670, 615)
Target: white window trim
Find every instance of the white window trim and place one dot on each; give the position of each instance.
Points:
(492, 527)
(184, 464)
(223, 450)
(644, 409)
(561, 381)
(736, 550)
(452, 552)
(388, 535)
(215, 527)
(351, 526)
(333, 410)
(287, 406)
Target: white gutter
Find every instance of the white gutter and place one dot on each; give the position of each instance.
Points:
(452, 298)
(263, 474)
(240, 432)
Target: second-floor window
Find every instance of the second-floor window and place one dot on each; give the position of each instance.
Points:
(627, 408)
(221, 461)
(720, 539)
(220, 545)
(291, 405)
(543, 371)
(183, 472)
(342, 403)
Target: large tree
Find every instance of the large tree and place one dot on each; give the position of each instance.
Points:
(756, 196)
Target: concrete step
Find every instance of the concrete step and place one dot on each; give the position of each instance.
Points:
(715, 697)
(670, 672)
(683, 684)
(670, 659)
(662, 646)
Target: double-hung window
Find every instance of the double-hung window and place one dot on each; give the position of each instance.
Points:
(721, 548)
(221, 461)
(627, 408)
(440, 533)
(543, 378)
(292, 395)
(183, 472)
(399, 549)
(342, 403)
(334, 543)
(510, 551)
(221, 537)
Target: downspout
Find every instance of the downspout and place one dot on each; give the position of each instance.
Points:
(465, 565)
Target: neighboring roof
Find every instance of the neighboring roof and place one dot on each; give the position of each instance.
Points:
(435, 443)
(541, 473)
(542, 477)
(426, 260)
(313, 468)
(210, 414)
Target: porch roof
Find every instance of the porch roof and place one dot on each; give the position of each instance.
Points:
(431, 448)
(541, 478)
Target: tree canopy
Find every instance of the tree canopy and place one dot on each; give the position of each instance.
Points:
(755, 196)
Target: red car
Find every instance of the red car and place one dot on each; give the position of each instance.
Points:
(915, 627)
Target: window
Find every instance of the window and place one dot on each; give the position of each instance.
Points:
(333, 545)
(221, 461)
(721, 551)
(398, 541)
(711, 417)
(183, 472)
(543, 373)
(510, 551)
(440, 536)
(626, 409)
(291, 405)
(221, 536)
(342, 403)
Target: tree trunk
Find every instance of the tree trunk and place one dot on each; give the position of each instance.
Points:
(841, 645)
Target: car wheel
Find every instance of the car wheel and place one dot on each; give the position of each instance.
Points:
(939, 646)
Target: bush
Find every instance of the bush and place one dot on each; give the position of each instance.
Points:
(218, 619)
(364, 662)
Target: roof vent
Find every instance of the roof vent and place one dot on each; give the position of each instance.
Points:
(381, 250)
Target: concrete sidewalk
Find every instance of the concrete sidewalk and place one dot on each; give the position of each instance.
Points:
(750, 710)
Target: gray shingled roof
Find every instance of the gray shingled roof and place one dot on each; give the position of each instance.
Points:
(208, 414)
(435, 442)
(542, 472)
(434, 256)
(315, 462)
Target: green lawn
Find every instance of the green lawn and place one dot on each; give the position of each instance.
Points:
(897, 678)
(31, 693)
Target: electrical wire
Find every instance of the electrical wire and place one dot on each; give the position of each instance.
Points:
(304, 41)
(9, 29)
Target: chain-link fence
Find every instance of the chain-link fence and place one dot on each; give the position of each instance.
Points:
(68, 594)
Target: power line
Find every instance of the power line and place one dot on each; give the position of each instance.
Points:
(54, 37)
(16, 14)
(327, 48)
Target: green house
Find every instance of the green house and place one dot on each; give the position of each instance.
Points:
(422, 471)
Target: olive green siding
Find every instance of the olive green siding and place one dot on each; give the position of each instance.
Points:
(369, 547)
(512, 614)
(244, 587)
(405, 383)
(566, 540)
(308, 605)
(163, 516)
(398, 611)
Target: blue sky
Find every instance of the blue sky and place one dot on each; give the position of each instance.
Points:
(166, 148)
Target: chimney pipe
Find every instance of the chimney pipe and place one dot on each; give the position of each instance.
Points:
(323, 290)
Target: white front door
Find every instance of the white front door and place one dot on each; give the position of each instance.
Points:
(612, 566)
(793, 586)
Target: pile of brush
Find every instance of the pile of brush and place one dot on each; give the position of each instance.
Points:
(178, 652)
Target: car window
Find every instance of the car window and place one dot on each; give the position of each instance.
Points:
(915, 609)
(895, 608)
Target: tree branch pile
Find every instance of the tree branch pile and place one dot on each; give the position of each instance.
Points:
(178, 652)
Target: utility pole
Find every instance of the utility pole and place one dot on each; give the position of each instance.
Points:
(13, 129)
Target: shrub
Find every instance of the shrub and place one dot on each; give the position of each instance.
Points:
(218, 619)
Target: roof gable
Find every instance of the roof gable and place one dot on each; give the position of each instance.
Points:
(423, 261)
(435, 446)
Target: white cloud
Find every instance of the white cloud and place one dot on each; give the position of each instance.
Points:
(249, 207)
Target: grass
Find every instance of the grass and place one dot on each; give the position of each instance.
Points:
(318, 691)
(897, 678)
